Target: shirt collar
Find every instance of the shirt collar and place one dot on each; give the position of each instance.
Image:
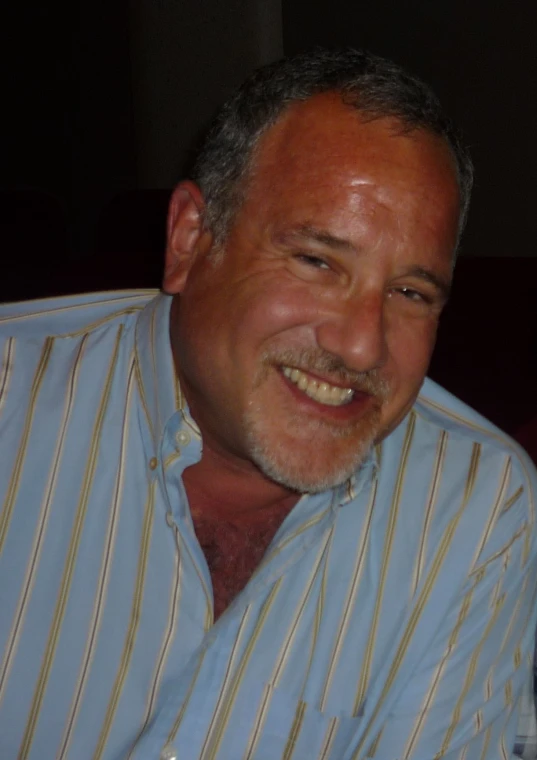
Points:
(161, 392)
(349, 490)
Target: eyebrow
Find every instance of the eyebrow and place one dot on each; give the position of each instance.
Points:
(442, 284)
(307, 232)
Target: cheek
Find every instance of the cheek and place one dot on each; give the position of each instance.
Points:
(275, 308)
(411, 348)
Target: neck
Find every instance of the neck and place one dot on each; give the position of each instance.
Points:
(219, 488)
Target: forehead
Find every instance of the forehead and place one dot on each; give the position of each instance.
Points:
(323, 145)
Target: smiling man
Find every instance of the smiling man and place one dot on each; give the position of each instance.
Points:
(237, 521)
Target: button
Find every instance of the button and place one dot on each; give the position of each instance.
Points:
(182, 438)
(153, 463)
(169, 520)
(168, 753)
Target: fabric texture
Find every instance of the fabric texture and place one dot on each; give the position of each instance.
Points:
(392, 618)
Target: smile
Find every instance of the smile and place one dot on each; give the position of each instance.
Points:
(323, 393)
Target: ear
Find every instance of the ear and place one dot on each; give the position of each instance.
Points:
(186, 236)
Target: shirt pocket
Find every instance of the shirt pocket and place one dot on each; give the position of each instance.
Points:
(281, 727)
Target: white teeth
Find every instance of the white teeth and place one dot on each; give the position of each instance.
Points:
(324, 393)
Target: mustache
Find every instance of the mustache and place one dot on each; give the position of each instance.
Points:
(322, 362)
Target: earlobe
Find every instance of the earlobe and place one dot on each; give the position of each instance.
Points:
(184, 232)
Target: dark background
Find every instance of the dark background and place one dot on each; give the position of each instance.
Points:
(103, 102)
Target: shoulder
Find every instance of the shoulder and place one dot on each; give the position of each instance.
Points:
(489, 465)
(69, 316)
(442, 411)
(47, 345)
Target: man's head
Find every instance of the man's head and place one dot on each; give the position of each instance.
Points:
(307, 338)
(376, 87)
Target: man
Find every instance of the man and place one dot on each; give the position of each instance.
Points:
(234, 524)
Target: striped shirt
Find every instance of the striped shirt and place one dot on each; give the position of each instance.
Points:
(390, 618)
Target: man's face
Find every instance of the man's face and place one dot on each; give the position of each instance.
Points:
(308, 337)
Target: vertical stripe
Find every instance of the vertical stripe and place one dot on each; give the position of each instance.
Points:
(173, 614)
(438, 673)
(230, 687)
(349, 602)
(372, 751)
(470, 675)
(7, 509)
(143, 400)
(42, 522)
(130, 638)
(463, 613)
(329, 738)
(258, 723)
(295, 731)
(70, 560)
(283, 655)
(104, 574)
(6, 370)
(365, 673)
(425, 593)
(438, 467)
(220, 703)
(486, 741)
(495, 511)
(180, 715)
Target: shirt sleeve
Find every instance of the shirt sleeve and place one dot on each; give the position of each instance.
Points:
(471, 689)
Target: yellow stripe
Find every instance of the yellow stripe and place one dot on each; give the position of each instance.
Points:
(425, 593)
(134, 622)
(143, 399)
(173, 614)
(69, 566)
(485, 751)
(154, 366)
(429, 508)
(314, 520)
(470, 675)
(365, 673)
(102, 584)
(283, 655)
(418, 727)
(7, 509)
(493, 514)
(514, 498)
(234, 654)
(183, 546)
(438, 673)
(319, 613)
(350, 599)
(506, 754)
(181, 713)
(372, 751)
(7, 370)
(42, 522)
(229, 691)
(329, 739)
(259, 723)
(481, 568)
(295, 731)
(86, 304)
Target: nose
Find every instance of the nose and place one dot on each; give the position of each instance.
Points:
(355, 331)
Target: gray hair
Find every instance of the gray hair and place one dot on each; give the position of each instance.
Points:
(376, 87)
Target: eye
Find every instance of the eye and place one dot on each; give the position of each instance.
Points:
(414, 295)
(313, 261)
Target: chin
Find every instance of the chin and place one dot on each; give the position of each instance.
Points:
(313, 460)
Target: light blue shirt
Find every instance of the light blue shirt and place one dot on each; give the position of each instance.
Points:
(391, 618)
